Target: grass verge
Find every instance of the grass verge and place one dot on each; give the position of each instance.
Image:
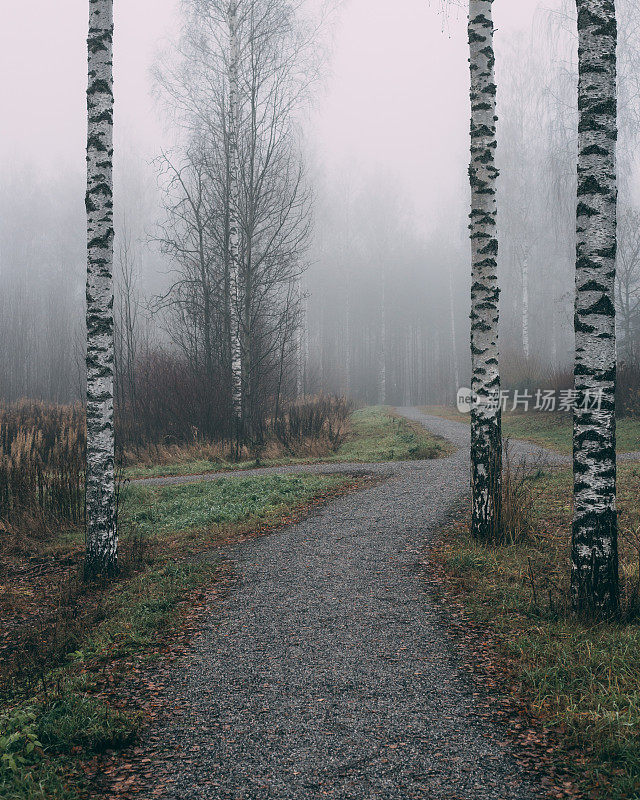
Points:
(59, 715)
(551, 430)
(581, 681)
(376, 434)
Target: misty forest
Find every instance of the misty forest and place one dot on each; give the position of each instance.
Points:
(320, 400)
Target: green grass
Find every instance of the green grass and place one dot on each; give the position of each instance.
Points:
(551, 430)
(583, 680)
(224, 501)
(555, 431)
(376, 435)
(47, 734)
(45, 738)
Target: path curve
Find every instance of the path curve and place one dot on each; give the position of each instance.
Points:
(328, 670)
(455, 432)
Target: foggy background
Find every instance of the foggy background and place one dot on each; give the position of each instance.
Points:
(385, 143)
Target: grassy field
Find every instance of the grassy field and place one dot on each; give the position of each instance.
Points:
(210, 505)
(552, 430)
(582, 680)
(375, 434)
(67, 647)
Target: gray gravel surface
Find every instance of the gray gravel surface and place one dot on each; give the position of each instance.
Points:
(455, 432)
(328, 671)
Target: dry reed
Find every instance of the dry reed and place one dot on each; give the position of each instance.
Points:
(42, 449)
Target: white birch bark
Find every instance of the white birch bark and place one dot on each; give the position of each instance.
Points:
(486, 440)
(101, 534)
(594, 568)
(234, 223)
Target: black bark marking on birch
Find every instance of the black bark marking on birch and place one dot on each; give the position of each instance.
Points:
(594, 552)
(486, 436)
(238, 366)
(101, 534)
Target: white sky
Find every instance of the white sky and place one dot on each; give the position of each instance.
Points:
(396, 100)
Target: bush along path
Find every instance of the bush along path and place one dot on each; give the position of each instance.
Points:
(328, 670)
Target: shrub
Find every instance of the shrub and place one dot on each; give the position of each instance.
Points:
(517, 497)
(313, 422)
(628, 390)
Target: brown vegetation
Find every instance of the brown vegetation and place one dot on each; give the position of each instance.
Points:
(41, 464)
(45, 606)
(309, 428)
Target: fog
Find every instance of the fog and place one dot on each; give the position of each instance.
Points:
(384, 137)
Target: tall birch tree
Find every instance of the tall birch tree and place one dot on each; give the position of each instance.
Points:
(594, 553)
(234, 225)
(236, 80)
(486, 436)
(102, 541)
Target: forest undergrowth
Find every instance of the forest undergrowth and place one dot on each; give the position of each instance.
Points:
(578, 681)
(553, 430)
(69, 649)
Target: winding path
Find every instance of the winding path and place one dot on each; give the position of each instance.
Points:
(327, 671)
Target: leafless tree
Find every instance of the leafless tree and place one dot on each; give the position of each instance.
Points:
(238, 202)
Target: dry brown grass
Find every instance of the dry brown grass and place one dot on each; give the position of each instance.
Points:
(518, 496)
(42, 450)
(225, 453)
(311, 428)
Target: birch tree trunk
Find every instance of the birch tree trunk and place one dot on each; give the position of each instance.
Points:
(347, 343)
(525, 303)
(454, 347)
(382, 350)
(306, 334)
(300, 327)
(594, 567)
(236, 304)
(101, 534)
(486, 439)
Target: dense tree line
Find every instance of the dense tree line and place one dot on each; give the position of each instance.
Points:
(537, 110)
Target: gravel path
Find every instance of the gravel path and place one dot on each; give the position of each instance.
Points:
(327, 671)
(455, 432)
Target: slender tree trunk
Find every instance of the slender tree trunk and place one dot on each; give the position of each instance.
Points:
(486, 439)
(305, 348)
(382, 349)
(454, 348)
(347, 343)
(554, 332)
(300, 327)
(228, 315)
(525, 303)
(236, 305)
(594, 567)
(102, 539)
